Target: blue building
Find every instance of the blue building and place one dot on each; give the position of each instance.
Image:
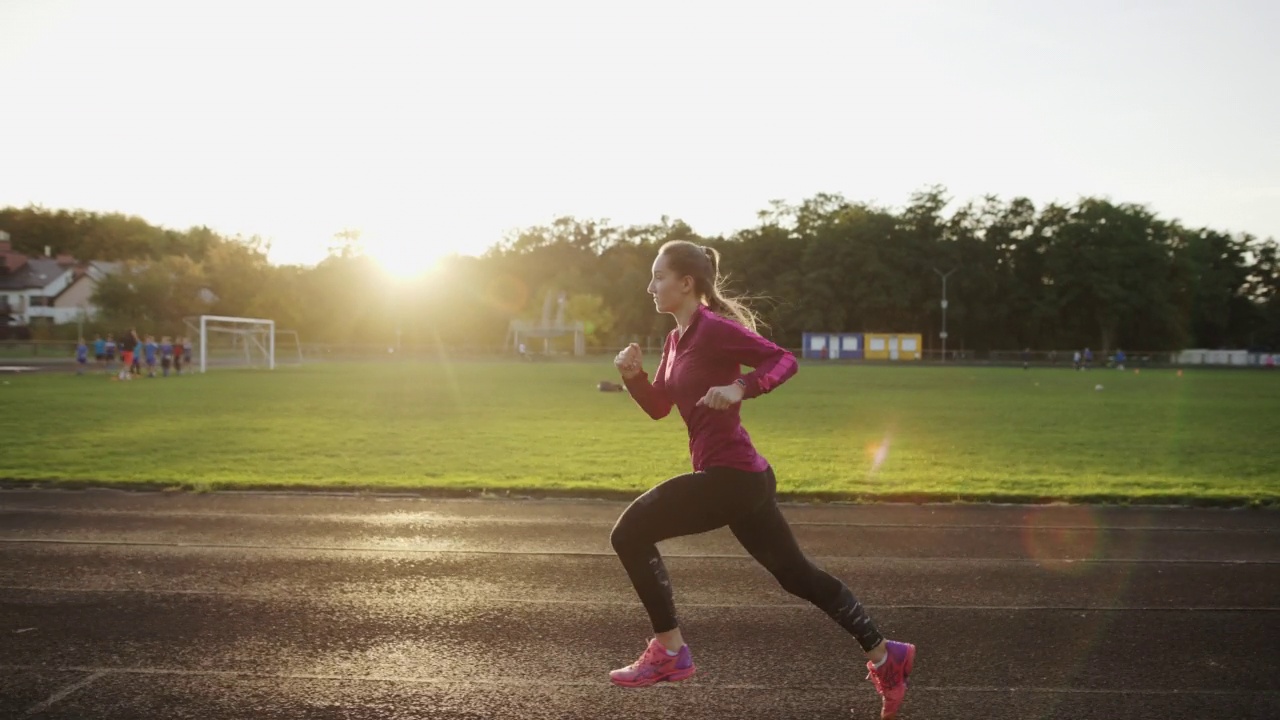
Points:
(833, 346)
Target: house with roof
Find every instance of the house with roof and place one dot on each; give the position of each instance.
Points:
(47, 289)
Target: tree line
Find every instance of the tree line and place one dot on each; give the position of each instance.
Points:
(1093, 273)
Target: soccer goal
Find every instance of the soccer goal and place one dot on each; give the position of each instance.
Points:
(235, 341)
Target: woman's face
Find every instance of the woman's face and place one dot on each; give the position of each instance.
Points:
(668, 289)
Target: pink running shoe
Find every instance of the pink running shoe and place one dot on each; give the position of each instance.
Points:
(655, 666)
(890, 678)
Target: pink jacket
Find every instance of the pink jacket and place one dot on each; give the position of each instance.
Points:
(710, 354)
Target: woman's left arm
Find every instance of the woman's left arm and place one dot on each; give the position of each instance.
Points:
(772, 365)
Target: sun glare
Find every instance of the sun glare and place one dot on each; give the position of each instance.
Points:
(405, 259)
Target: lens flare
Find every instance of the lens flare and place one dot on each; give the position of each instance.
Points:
(1062, 533)
(1061, 539)
(506, 293)
(878, 453)
(451, 379)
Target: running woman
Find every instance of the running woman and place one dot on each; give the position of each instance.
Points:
(731, 483)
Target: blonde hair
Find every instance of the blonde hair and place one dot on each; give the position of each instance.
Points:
(703, 265)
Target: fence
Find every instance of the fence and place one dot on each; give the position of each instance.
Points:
(23, 349)
(53, 350)
(1064, 358)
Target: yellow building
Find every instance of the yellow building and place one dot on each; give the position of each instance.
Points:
(893, 346)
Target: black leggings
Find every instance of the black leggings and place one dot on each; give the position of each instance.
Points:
(745, 501)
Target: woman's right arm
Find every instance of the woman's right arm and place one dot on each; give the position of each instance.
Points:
(651, 397)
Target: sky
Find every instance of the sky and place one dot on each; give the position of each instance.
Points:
(437, 127)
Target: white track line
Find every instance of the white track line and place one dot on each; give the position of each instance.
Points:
(328, 553)
(363, 518)
(49, 701)
(500, 600)
(473, 497)
(145, 671)
(588, 553)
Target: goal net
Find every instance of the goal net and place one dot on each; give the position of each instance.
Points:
(233, 342)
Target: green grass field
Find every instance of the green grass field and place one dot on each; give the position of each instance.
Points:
(940, 433)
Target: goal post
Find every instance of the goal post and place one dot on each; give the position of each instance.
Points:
(284, 347)
(254, 334)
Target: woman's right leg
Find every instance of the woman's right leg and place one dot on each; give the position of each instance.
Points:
(684, 505)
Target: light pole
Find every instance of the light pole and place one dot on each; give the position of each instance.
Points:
(943, 334)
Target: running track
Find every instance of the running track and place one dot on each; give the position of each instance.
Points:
(221, 606)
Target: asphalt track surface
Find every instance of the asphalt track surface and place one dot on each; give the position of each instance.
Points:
(221, 606)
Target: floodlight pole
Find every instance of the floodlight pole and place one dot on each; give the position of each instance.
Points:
(943, 334)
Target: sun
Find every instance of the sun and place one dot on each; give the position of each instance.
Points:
(411, 248)
(405, 259)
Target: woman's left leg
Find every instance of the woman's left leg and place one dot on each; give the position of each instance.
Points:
(767, 536)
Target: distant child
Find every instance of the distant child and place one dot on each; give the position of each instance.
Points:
(1088, 358)
(166, 354)
(99, 350)
(1075, 361)
(1120, 359)
(135, 344)
(177, 356)
(1026, 358)
(82, 356)
(126, 363)
(186, 350)
(150, 347)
